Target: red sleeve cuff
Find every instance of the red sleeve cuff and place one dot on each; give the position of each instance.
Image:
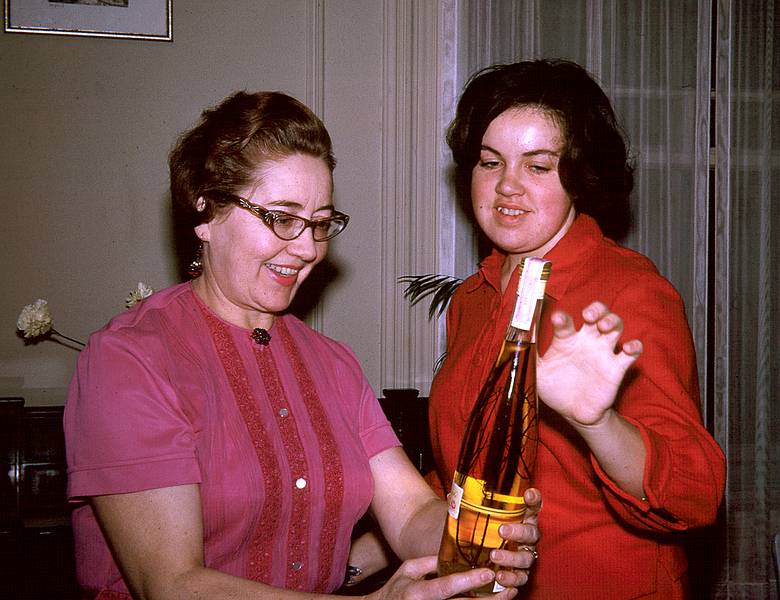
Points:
(644, 511)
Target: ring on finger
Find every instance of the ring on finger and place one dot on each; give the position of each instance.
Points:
(531, 551)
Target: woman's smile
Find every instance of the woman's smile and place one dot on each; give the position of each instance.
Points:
(284, 275)
(510, 212)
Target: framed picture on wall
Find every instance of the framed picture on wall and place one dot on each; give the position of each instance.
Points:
(133, 19)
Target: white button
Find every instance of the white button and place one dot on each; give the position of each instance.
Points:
(300, 483)
(297, 565)
(283, 412)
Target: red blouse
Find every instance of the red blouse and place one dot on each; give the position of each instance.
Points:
(596, 540)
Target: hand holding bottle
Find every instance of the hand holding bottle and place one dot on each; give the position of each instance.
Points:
(410, 580)
(580, 374)
(409, 583)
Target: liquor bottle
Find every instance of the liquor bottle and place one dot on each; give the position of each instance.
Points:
(498, 450)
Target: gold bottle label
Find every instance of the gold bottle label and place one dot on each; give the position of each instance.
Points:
(469, 492)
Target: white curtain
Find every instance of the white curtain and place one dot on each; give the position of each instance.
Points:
(696, 84)
(747, 315)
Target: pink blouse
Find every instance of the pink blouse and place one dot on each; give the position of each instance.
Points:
(277, 436)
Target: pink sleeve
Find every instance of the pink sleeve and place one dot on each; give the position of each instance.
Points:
(125, 429)
(376, 433)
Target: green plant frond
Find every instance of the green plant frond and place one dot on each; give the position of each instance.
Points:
(441, 287)
(439, 362)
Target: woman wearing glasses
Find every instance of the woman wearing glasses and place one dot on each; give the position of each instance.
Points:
(219, 447)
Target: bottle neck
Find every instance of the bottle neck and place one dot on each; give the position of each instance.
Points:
(518, 334)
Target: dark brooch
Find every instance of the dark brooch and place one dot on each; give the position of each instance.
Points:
(261, 336)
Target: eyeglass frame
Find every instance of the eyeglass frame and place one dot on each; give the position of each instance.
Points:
(268, 217)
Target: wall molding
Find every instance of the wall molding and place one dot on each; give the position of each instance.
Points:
(315, 99)
(419, 58)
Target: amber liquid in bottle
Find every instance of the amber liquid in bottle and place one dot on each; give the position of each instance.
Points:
(498, 451)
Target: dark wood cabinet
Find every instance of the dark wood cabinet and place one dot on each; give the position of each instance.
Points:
(408, 414)
(36, 541)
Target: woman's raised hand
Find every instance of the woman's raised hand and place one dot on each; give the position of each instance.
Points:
(581, 372)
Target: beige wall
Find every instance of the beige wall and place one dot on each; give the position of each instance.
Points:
(85, 128)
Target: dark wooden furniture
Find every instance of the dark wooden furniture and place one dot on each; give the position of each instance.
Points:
(408, 414)
(36, 543)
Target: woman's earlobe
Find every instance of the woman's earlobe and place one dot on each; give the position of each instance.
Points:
(202, 232)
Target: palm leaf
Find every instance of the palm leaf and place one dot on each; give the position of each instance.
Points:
(440, 287)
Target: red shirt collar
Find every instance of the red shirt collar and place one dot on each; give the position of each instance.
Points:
(566, 257)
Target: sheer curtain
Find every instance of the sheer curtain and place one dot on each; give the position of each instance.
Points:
(696, 84)
(747, 312)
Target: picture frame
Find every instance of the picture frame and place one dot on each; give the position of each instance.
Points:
(129, 19)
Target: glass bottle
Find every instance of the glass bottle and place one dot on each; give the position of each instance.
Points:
(498, 450)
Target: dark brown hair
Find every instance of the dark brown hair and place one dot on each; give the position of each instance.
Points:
(221, 154)
(595, 168)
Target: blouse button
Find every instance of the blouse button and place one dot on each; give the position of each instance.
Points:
(300, 483)
(297, 565)
(283, 412)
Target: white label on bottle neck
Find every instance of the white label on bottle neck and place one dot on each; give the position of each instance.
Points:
(453, 500)
(528, 292)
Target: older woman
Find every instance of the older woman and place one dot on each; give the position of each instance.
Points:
(219, 447)
(539, 152)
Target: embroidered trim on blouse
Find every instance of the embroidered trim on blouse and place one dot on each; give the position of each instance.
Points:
(261, 559)
(331, 458)
(300, 525)
(260, 556)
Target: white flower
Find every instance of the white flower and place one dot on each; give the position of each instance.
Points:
(140, 292)
(35, 319)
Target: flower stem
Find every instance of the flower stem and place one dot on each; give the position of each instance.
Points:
(70, 339)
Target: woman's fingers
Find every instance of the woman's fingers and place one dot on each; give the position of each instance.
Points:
(598, 320)
(633, 348)
(533, 504)
(417, 568)
(512, 579)
(582, 369)
(563, 325)
(514, 564)
(522, 552)
(594, 312)
(438, 588)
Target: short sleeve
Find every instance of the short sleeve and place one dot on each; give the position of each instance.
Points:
(375, 431)
(125, 429)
